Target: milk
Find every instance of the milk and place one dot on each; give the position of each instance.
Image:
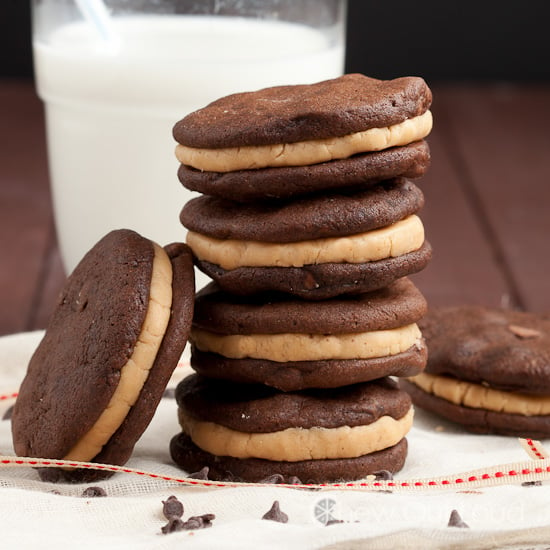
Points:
(110, 111)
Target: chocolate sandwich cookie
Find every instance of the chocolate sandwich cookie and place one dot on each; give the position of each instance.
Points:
(488, 369)
(292, 344)
(251, 432)
(358, 171)
(314, 247)
(304, 124)
(115, 336)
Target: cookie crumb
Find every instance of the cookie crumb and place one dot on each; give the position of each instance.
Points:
(456, 521)
(439, 428)
(172, 508)
(524, 333)
(275, 513)
(93, 492)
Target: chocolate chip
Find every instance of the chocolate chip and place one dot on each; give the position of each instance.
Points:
(537, 483)
(172, 508)
(8, 413)
(202, 474)
(293, 480)
(199, 522)
(383, 475)
(274, 478)
(94, 492)
(174, 524)
(169, 393)
(456, 521)
(275, 513)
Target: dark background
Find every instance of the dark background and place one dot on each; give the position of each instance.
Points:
(440, 40)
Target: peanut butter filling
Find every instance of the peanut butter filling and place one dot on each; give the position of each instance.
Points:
(135, 372)
(294, 444)
(304, 153)
(400, 238)
(477, 396)
(308, 347)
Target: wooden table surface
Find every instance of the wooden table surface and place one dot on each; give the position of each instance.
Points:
(487, 212)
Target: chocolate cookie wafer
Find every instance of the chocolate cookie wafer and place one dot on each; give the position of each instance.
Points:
(293, 344)
(249, 433)
(314, 247)
(488, 369)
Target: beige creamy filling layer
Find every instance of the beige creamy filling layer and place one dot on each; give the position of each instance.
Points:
(400, 238)
(478, 396)
(309, 347)
(135, 372)
(294, 444)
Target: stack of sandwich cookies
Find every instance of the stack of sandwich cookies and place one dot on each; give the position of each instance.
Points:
(309, 228)
(488, 370)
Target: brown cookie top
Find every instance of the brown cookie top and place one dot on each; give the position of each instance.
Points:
(397, 305)
(91, 335)
(259, 409)
(313, 217)
(288, 114)
(360, 171)
(507, 350)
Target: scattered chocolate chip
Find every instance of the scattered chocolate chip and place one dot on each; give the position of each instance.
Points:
(275, 513)
(94, 492)
(174, 525)
(8, 413)
(169, 393)
(524, 333)
(456, 521)
(172, 508)
(199, 522)
(383, 475)
(537, 483)
(293, 480)
(275, 478)
(202, 474)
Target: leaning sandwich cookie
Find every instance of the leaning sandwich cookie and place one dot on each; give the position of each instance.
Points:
(488, 370)
(112, 343)
(303, 130)
(249, 433)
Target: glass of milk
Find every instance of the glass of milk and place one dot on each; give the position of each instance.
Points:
(115, 82)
